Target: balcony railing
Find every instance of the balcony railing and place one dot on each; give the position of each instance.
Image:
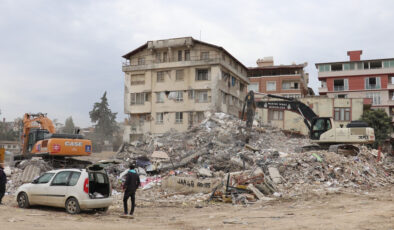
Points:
(339, 88)
(210, 59)
(372, 86)
(169, 60)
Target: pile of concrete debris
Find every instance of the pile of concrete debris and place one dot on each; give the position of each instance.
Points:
(25, 172)
(217, 143)
(267, 166)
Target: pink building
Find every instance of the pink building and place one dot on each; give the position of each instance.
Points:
(371, 79)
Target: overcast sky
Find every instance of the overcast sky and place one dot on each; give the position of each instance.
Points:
(59, 57)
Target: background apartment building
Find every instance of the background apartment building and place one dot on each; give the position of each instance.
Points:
(356, 78)
(169, 84)
(283, 80)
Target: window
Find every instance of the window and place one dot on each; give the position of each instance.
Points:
(230, 100)
(204, 55)
(253, 87)
(45, 178)
(74, 178)
(190, 94)
(375, 65)
(158, 57)
(179, 75)
(141, 61)
(241, 87)
(233, 81)
(179, 55)
(324, 68)
(336, 67)
(341, 84)
(202, 74)
(275, 114)
(187, 55)
(366, 65)
(202, 96)
(360, 65)
(61, 178)
(178, 96)
(372, 83)
(289, 85)
(137, 79)
(160, 76)
(164, 56)
(271, 85)
(388, 64)
(159, 118)
(178, 117)
(375, 98)
(160, 97)
(224, 100)
(340, 95)
(138, 98)
(342, 114)
(200, 116)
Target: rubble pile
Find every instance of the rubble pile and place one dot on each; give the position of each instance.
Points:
(269, 164)
(25, 172)
(217, 143)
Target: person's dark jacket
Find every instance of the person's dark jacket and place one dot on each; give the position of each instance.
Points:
(3, 177)
(132, 182)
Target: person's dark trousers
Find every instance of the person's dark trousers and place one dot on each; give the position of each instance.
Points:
(2, 191)
(126, 196)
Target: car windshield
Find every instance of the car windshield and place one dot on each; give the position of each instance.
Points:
(45, 178)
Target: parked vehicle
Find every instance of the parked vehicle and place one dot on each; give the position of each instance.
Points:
(74, 189)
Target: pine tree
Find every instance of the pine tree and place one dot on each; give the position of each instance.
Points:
(380, 122)
(69, 126)
(106, 125)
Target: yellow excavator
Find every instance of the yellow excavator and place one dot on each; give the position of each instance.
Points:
(323, 132)
(39, 139)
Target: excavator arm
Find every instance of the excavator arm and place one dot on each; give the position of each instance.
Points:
(290, 104)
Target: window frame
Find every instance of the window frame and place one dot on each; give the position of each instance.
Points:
(201, 77)
(160, 76)
(161, 116)
(178, 117)
(62, 184)
(179, 76)
(342, 113)
(267, 84)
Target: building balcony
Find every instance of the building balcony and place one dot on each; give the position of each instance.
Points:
(356, 72)
(323, 90)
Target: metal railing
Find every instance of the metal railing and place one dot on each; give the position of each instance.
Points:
(339, 88)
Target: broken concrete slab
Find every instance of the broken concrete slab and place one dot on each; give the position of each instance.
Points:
(275, 175)
(190, 184)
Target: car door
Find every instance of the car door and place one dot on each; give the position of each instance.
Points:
(39, 188)
(57, 191)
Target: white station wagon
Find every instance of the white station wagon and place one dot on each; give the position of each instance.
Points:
(74, 189)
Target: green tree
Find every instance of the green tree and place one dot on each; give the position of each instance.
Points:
(105, 125)
(69, 126)
(380, 122)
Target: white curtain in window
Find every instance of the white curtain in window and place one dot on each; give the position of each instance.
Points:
(346, 84)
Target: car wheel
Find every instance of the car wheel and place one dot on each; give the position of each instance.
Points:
(72, 206)
(23, 200)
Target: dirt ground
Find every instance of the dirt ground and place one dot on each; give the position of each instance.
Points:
(373, 210)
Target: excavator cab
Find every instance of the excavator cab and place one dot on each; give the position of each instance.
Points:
(319, 126)
(34, 136)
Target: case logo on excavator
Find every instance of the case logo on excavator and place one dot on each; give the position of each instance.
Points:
(72, 143)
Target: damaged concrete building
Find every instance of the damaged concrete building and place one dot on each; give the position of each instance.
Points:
(284, 80)
(169, 84)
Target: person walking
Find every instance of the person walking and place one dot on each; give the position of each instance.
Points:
(130, 186)
(3, 182)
